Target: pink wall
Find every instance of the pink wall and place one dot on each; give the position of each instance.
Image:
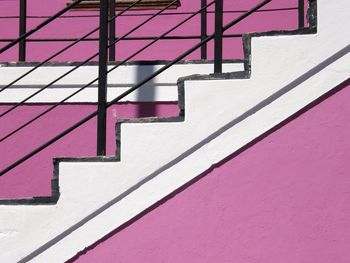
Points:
(32, 178)
(166, 49)
(285, 199)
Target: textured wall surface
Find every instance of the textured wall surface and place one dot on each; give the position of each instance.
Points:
(279, 14)
(32, 178)
(285, 199)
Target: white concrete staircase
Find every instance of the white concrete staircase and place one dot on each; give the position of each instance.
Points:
(157, 157)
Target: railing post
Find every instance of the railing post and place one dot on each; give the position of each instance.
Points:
(102, 79)
(112, 30)
(22, 29)
(203, 28)
(301, 14)
(218, 36)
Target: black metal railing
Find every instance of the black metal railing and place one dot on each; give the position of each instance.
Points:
(96, 79)
(148, 14)
(112, 26)
(104, 44)
(204, 29)
(22, 29)
(301, 13)
(22, 38)
(107, 40)
(219, 5)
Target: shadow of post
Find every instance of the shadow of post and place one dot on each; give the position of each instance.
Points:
(146, 94)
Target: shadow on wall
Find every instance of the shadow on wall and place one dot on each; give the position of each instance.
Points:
(146, 95)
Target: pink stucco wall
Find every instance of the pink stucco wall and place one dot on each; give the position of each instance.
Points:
(32, 178)
(285, 199)
(283, 14)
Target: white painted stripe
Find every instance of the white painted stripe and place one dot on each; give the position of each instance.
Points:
(194, 164)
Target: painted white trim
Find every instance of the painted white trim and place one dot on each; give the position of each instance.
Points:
(162, 88)
(180, 173)
(221, 117)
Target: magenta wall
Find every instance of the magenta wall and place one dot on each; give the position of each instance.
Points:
(32, 178)
(285, 199)
(279, 14)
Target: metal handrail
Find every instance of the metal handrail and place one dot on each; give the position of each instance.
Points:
(135, 87)
(82, 63)
(110, 70)
(23, 17)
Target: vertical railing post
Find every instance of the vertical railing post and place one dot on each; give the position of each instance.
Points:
(102, 79)
(203, 28)
(112, 30)
(22, 29)
(218, 36)
(301, 14)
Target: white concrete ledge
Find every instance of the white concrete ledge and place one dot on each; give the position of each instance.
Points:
(162, 88)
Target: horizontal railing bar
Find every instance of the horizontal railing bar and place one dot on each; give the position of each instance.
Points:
(148, 14)
(64, 49)
(41, 25)
(127, 38)
(126, 93)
